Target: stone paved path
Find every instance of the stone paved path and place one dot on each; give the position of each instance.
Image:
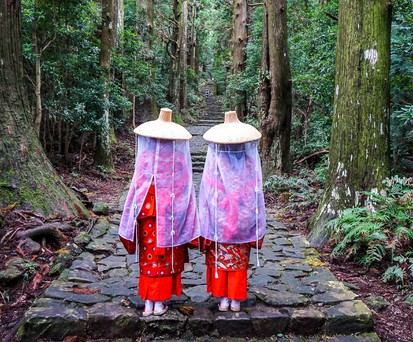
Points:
(293, 295)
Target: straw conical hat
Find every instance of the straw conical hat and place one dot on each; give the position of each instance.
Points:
(232, 131)
(163, 128)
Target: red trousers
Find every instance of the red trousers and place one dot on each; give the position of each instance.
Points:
(231, 284)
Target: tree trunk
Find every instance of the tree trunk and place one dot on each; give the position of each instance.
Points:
(26, 175)
(264, 93)
(119, 10)
(38, 73)
(103, 153)
(194, 38)
(182, 99)
(275, 92)
(239, 41)
(172, 87)
(148, 6)
(359, 148)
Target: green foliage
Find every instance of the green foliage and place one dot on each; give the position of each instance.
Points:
(401, 270)
(134, 64)
(71, 77)
(402, 85)
(381, 232)
(72, 88)
(312, 40)
(248, 81)
(302, 190)
(30, 268)
(5, 295)
(215, 43)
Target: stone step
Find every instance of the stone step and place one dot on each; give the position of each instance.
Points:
(51, 319)
(210, 122)
(198, 157)
(292, 293)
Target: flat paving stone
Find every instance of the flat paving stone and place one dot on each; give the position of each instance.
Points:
(279, 299)
(67, 292)
(306, 321)
(111, 262)
(269, 322)
(122, 321)
(85, 261)
(201, 322)
(230, 323)
(197, 293)
(100, 246)
(52, 320)
(348, 318)
(334, 297)
(82, 276)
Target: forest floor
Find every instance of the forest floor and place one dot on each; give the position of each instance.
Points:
(392, 323)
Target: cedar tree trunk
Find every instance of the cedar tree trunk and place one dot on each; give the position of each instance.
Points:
(239, 42)
(359, 146)
(275, 99)
(26, 176)
(103, 153)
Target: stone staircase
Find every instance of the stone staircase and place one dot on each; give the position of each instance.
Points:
(292, 297)
(214, 115)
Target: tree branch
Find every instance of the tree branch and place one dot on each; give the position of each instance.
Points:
(311, 155)
(257, 4)
(332, 16)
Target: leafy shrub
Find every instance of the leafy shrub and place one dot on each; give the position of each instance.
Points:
(380, 232)
(302, 190)
(401, 69)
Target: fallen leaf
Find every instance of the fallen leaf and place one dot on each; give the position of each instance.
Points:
(62, 251)
(82, 291)
(73, 339)
(186, 310)
(21, 299)
(37, 279)
(9, 207)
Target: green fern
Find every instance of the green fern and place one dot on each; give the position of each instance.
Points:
(394, 274)
(380, 232)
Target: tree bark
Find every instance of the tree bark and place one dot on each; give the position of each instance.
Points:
(181, 103)
(173, 53)
(38, 73)
(26, 175)
(119, 10)
(103, 153)
(275, 99)
(359, 148)
(239, 41)
(194, 39)
(148, 6)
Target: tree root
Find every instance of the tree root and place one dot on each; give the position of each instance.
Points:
(48, 230)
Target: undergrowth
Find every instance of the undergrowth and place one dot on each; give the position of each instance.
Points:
(298, 191)
(380, 233)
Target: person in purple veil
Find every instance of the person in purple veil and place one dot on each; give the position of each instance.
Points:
(231, 208)
(160, 216)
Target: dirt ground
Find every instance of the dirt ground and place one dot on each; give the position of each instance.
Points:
(393, 323)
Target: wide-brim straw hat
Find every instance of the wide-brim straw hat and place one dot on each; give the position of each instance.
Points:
(232, 131)
(163, 128)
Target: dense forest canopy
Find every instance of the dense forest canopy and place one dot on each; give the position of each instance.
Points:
(65, 37)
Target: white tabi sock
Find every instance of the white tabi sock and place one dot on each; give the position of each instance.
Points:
(148, 306)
